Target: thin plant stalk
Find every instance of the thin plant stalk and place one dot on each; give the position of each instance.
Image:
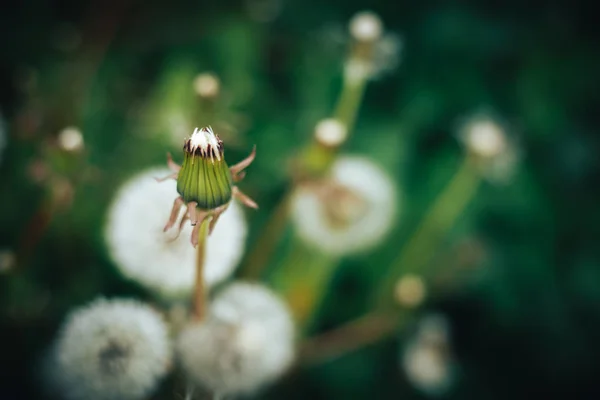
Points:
(420, 248)
(302, 278)
(265, 245)
(358, 333)
(200, 296)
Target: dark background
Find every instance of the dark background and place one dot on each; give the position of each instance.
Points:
(526, 324)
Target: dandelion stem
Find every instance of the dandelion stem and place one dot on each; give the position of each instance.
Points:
(418, 251)
(200, 296)
(257, 261)
(355, 334)
(349, 101)
(303, 278)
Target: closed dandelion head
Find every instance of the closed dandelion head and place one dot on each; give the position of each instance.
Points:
(111, 350)
(350, 211)
(487, 141)
(164, 261)
(205, 182)
(246, 342)
(374, 52)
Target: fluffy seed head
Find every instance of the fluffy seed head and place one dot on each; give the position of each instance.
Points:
(484, 137)
(246, 342)
(366, 26)
(111, 350)
(349, 212)
(162, 261)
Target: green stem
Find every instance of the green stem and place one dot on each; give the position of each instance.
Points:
(419, 250)
(303, 278)
(349, 101)
(200, 295)
(258, 258)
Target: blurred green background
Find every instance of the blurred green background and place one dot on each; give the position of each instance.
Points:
(525, 316)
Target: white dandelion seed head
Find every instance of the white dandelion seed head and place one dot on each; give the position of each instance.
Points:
(206, 85)
(331, 132)
(427, 358)
(351, 212)
(111, 350)
(365, 26)
(70, 139)
(246, 342)
(161, 261)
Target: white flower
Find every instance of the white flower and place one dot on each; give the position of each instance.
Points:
(162, 261)
(427, 359)
(486, 139)
(350, 212)
(246, 342)
(111, 350)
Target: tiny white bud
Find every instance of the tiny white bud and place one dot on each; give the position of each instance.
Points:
(207, 85)
(70, 139)
(485, 138)
(366, 26)
(410, 290)
(331, 132)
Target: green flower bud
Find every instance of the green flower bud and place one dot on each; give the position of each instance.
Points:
(204, 177)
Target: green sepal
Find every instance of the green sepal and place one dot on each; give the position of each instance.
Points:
(205, 181)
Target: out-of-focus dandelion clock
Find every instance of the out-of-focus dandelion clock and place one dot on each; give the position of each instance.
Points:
(165, 262)
(246, 342)
(374, 52)
(348, 212)
(427, 358)
(110, 350)
(486, 139)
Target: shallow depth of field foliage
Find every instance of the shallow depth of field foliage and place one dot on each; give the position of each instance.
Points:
(518, 272)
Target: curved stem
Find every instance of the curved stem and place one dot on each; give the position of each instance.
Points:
(419, 250)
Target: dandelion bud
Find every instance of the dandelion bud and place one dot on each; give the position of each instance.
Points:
(246, 342)
(331, 133)
(205, 182)
(410, 290)
(204, 177)
(366, 26)
(427, 359)
(206, 85)
(111, 349)
(70, 139)
(488, 142)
